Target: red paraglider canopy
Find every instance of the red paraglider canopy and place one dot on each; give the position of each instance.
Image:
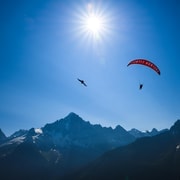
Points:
(145, 63)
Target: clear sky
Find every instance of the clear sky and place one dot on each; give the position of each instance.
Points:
(45, 46)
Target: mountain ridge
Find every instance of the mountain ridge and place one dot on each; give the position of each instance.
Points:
(156, 157)
(59, 148)
(72, 114)
(62, 147)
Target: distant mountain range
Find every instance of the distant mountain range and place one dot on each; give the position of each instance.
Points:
(60, 148)
(139, 134)
(148, 158)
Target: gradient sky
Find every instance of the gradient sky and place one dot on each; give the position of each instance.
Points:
(43, 51)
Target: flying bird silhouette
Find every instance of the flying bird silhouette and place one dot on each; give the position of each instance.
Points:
(82, 82)
(140, 86)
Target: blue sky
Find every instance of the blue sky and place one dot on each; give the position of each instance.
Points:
(44, 51)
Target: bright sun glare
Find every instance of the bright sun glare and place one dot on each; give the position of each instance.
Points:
(94, 22)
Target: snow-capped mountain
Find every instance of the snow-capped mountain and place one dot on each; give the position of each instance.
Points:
(59, 147)
(73, 131)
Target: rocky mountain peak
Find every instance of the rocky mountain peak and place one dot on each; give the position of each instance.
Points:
(175, 129)
(2, 135)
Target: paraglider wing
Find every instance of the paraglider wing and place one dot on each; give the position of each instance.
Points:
(145, 63)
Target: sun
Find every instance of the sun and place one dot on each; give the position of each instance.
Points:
(94, 22)
(94, 25)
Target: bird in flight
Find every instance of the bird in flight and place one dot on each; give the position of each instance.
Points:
(82, 82)
(140, 86)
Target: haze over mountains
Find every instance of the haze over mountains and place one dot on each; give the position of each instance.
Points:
(62, 147)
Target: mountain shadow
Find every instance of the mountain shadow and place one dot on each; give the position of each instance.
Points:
(148, 158)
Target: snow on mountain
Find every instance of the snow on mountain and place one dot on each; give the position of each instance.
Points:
(60, 147)
(71, 132)
(38, 131)
(139, 134)
(21, 132)
(16, 140)
(74, 131)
